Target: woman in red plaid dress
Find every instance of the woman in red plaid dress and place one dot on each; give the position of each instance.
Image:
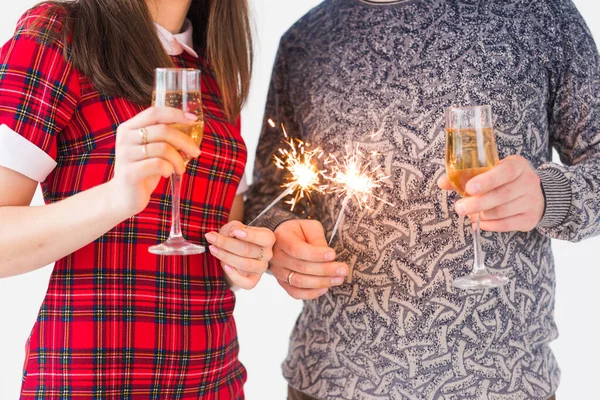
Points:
(118, 322)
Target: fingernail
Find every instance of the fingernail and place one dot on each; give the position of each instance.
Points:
(213, 249)
(240, 234)
(330, 255)
(190, 116)
(322, 291)
(341, 271)
(337, 280)
(474, 188)
(228, 269)
(460, 208)
(211, 237)
(197, 152)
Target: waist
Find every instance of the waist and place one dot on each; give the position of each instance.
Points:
(100, 281)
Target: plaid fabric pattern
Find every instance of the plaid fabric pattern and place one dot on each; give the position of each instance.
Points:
(118, 322)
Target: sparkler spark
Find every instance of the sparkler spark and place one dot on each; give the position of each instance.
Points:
(373, 135)
(304, 175)
(354, 177)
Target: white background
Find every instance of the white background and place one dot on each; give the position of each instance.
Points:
(266, 315)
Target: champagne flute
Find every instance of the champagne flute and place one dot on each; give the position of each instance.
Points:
(470, 151)
(179, 88)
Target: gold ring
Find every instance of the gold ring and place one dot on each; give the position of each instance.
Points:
(145, 151)
(289, 278)
(261, 255)
(143, 135)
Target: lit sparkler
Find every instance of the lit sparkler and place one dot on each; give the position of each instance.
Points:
(354, 177)
(304, 178)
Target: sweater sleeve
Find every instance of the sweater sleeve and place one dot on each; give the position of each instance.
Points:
(267, 178)
(572, 190)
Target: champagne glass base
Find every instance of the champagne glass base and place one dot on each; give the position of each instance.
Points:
(480, 280)
(176, 246)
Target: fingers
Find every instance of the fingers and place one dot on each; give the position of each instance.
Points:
(260, 236)
(302, 294)
(508, 197)
(304, 281)
(506, 210)
(312, 282)
(156, 122)
(160, 115)
(249, 265)
(444, 183)
(520, 222)
(175, 138)
(490, 200)
(308, 275)
(295, 245)
(308, 252)
(240, 279)
(157, 150)
(330, 269)
(230, 227)
(508, 170)
(314, 233)
(241, 252)
(149, 168)
(302, 262)
(239, 247)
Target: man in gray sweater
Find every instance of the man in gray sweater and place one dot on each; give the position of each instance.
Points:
(381, 319)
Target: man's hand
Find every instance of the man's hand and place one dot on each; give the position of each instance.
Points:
(302, 261)
(509, 196)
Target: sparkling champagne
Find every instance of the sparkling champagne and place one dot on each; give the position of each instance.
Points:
(191, 102)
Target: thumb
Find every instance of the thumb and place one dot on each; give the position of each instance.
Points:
(304, 240)
(227, 229)
(314, 233)
(444, 183)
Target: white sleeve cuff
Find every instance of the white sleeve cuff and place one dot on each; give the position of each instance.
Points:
(24, 157)
(243, 186)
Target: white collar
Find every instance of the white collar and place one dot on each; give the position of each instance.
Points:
(176, 44)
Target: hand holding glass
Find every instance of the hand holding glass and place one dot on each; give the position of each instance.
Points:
(470, 151)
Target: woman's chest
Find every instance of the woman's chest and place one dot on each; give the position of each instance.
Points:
(86, 148)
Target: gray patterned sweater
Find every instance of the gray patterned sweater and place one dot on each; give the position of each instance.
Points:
(399, 330)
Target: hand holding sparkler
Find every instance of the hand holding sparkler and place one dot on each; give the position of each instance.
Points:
(304, 265)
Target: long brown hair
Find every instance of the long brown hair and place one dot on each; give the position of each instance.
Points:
(119, 56)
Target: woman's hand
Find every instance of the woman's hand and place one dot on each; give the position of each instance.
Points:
(146, 149)
(509, 196)
(244, 252)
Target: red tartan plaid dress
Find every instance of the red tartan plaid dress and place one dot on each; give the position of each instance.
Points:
(118, 322)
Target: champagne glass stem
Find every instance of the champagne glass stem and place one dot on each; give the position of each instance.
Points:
(478, 265)
(175, 214)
